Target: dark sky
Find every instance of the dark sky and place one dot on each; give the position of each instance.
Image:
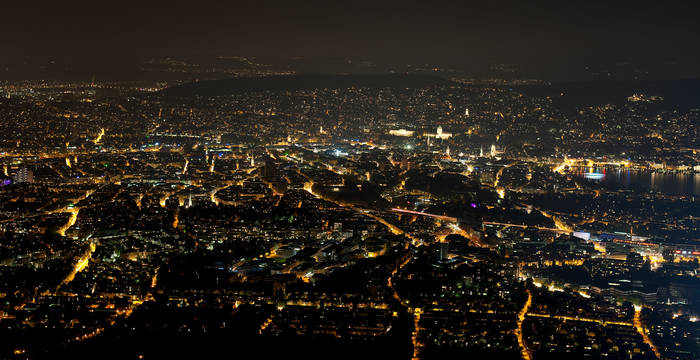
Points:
(535, 34)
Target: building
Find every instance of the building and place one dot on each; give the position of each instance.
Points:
(444, 251)
(270, 168)
(401, 132)
(24, 175)
(439, 134)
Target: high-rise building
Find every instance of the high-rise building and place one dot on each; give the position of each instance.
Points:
(444, 250)
(24, 175)
(270, 168)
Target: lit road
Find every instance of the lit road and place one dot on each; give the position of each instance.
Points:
(558, 222)
(441, 217)
(71, 221)
(417, 345)
(501, 191)
(524, 351)
(73, 213)
(582, 319)
(176, 218)
(308, 186)
(80, 265)
(644, 331)
(184, 168)
(99, 136)
(525, 226)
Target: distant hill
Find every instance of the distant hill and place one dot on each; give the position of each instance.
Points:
(678, 94)
(301, 82)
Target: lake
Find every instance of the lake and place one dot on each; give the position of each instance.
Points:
(668, 183)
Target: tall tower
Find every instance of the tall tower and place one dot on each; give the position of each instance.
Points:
(481, 151)
(493, 149)
(444, 251)
(439, 131)
(270, 168)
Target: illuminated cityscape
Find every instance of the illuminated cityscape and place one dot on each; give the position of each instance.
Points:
(217, 206)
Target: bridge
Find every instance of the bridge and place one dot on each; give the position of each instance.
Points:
(441, 217)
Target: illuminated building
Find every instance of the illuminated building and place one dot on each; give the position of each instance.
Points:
(439, 134)
(401, 132)
(24, 175)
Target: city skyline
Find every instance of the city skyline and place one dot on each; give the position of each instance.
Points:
(327, 180)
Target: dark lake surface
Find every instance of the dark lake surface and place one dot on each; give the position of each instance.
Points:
(665, 182)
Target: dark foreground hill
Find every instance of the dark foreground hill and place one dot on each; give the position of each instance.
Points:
(301, 82)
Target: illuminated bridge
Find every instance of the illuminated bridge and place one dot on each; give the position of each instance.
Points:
(441, 217)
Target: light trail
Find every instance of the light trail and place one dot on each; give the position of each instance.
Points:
(441, 217)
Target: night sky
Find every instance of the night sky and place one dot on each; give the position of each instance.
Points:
(540, 35)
